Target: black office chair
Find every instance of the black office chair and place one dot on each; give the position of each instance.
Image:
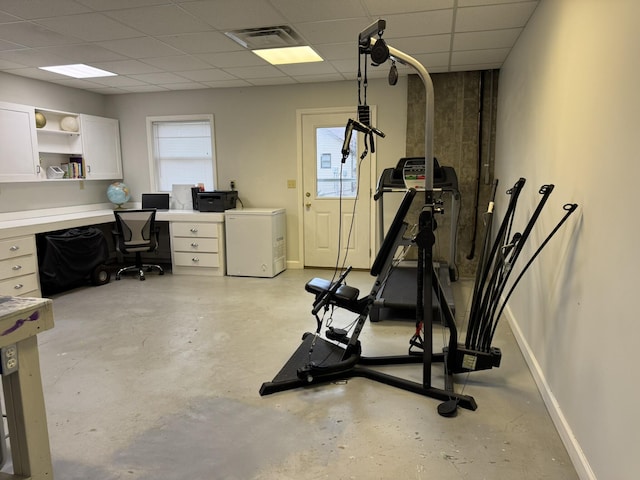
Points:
(136, 233)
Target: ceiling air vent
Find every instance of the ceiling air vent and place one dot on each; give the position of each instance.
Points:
(266, 37)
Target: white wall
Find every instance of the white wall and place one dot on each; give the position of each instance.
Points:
(256, 135)
(30, 196)
(568, 114)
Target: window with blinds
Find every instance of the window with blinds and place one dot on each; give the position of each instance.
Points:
(182, 151)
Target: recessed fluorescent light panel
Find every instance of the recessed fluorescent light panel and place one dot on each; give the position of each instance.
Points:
(287, 55)
(78, 70)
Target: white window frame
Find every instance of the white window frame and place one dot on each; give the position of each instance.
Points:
(153, 170)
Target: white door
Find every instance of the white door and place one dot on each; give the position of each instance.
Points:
(334, 222)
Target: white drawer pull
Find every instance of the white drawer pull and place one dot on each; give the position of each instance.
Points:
(18, 286)
(16, 267)
(193, 230)
(195, 259)
(194, 245)
(14, 248)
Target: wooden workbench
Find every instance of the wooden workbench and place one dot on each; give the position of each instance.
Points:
(21, 320)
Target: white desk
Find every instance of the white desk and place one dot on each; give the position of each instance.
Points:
(197, 242)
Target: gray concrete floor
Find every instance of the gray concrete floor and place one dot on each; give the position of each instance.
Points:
(159, 380)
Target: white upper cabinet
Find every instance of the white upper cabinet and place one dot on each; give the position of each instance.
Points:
(19, 160)
(101, 147)
(40, 144)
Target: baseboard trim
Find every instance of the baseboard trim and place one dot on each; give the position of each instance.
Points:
(295, 265)
(578, 458)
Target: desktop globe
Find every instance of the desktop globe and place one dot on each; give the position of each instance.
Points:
(118, 193)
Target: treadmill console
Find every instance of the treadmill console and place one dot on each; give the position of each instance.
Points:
(413, 173)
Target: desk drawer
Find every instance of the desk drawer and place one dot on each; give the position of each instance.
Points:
(19, 285)
(196, 259)
(13, 267)
(181, 244)
(17, 247)
(184, 229)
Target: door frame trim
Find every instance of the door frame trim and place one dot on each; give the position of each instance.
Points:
(373, 169)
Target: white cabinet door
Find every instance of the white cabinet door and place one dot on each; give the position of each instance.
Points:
(101, 147)
(19, 160)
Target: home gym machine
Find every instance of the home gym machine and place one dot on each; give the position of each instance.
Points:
(320, 360)
(339, 356)
(397, 299)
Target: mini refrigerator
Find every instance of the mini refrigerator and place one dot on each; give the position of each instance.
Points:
(256, 242)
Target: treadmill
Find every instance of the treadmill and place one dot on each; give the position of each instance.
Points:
(397, 298)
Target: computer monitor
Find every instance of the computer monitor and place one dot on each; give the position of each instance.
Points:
(159, 201)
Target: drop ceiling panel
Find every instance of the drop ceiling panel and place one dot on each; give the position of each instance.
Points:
(419, 23)
(228, 15)
(204, 42)
(159, 78)
(32, 58)
(232, 59)
(32, 35)
(487, 39)
(91, 27)
(185, 86)
(207, 75)
(249, 73)
(6, 18)
(102, 5)
(338, 51)
(271, 81)
(475, 3)
(385, 7)
(227, 84)
(327, 77)
(297, 11)
(31, 9)
(127, 67)
(7, 66)
(143, 47)
(492, 17)
(177, 63)
(318, 68)
(118, 81)
(147, 89)
(82, 53)
(159, 20)
(4, 45)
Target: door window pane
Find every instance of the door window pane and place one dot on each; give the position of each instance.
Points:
(331, 173)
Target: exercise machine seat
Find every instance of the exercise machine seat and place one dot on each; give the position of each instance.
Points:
(344, 297)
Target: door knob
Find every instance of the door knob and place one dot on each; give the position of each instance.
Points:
(308, 204)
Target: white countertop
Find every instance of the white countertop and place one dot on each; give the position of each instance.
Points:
(47, 220)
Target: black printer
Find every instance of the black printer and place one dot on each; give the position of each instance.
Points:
(216, 201)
